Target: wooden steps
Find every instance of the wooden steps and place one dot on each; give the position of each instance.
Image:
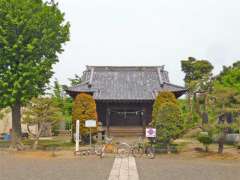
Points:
(126, 131)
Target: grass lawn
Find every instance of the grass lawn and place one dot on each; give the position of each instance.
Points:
(181, 148)
(46, 144)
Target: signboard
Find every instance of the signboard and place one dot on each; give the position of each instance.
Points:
(90, 123)
(151, 132)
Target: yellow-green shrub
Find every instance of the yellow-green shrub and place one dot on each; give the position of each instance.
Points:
(84, 108)
(163, 97)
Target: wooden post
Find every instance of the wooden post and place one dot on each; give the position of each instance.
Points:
(108, 121)
(143, 120)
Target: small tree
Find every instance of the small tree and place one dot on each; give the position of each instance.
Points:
(206, 139)
(42, 112)
(224, 100)
(168, 123)
(64, 102)
(84, 108)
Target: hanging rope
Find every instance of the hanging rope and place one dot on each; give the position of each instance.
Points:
(127, 112)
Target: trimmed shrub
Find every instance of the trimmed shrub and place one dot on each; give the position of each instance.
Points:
(84, 108)
(168, 123)
(163, 97)
(205, 139)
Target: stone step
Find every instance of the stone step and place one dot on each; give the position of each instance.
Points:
(128, 131)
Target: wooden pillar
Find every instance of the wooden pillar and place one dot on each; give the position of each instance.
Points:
(143, 120)
(108, 121)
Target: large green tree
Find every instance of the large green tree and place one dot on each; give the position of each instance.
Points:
(31, 36)
(230, 76)
(198, 80)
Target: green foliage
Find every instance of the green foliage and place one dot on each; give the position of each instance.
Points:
(64, 102)
(76, 80)
(163, 97)
(183, 104)
(205, 138)
(198, 80)
(31, 35)
(84, 108)
(169, 123)
(167, 117)
(225, 99)
(230, 76)
(3, 112)
(41, 111)
(195, 69)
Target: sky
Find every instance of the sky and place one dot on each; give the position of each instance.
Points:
(149, 32)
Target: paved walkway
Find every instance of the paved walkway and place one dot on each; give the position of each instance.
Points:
(48, 168)
(124, 169)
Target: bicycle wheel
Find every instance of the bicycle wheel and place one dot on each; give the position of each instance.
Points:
(123, 150)
(137, 152)
(150, 151)
(99, 150)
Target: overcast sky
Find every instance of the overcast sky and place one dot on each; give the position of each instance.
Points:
(149, 32)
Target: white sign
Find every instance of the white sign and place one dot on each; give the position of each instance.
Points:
(150, 132)
(77, 135)
(90, 123)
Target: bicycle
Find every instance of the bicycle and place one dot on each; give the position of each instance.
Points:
(121, 149)
(107, 147)
(137, 150)
(140, 148)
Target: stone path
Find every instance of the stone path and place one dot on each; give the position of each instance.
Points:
(124, 169)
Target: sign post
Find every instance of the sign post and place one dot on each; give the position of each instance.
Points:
(90, 124)
(77, 135)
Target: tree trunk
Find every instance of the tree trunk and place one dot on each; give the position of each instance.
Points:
(206, 148)
(16, 119)
(221, 143)
(190, 117)
(35, 144)
(220, 147)
(16, 127)
(168, 149)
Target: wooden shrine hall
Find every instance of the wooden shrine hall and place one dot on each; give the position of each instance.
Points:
(125, 95)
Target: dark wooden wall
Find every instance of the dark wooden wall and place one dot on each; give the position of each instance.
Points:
(119, 119)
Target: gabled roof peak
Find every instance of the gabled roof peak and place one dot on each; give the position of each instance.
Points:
(125, 82)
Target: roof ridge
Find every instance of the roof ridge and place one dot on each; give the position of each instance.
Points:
(159, 66)
(175, 85)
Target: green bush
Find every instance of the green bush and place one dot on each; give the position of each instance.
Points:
(205, 139)
(163, 97)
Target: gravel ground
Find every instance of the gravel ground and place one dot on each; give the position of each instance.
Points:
(179, 169)
(22, 168)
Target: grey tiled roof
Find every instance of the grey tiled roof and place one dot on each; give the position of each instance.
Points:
(125, 83)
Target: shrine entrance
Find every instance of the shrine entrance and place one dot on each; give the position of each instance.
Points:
(125, 118)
